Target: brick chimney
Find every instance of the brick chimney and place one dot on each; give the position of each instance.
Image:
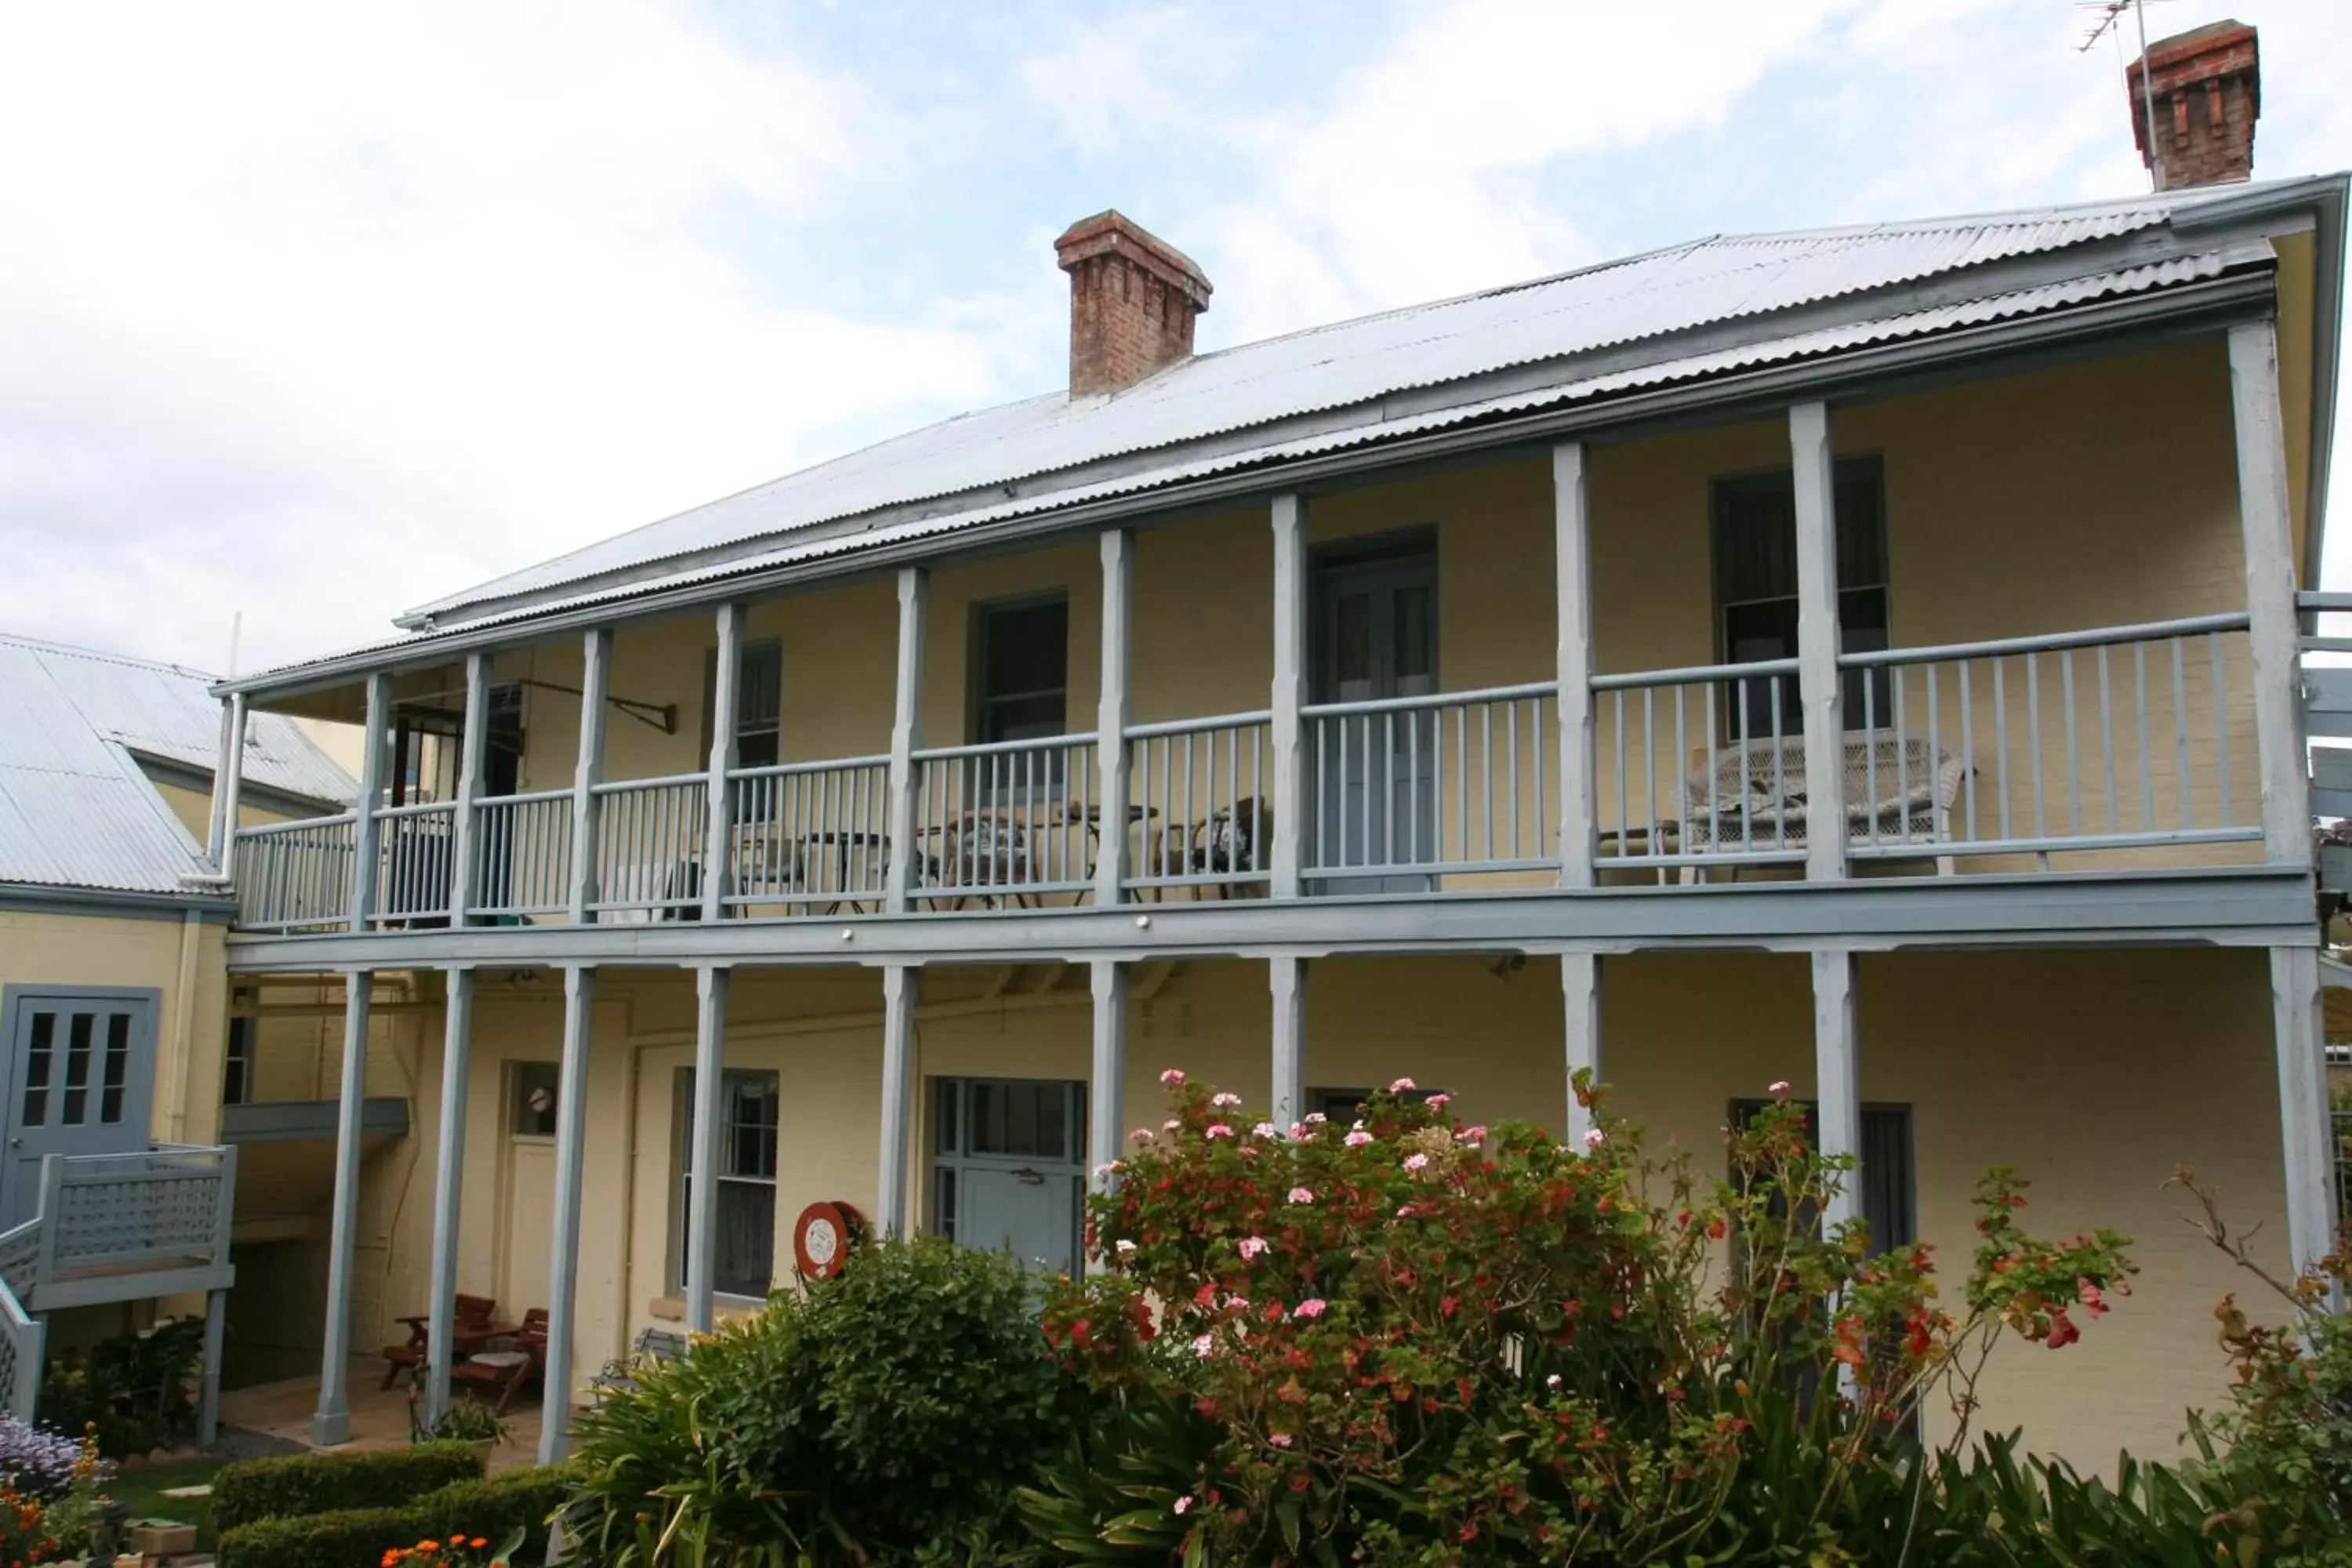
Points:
(2208, 86)
(1132, 299)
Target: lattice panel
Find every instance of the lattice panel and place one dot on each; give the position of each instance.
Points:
(99, 1220)
(20, 1257)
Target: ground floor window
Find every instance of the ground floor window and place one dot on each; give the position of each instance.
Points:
(746, 1181)
(1009, 1167)
(1889, 1200)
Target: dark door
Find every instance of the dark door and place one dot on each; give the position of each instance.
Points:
(1376, 639)
(81, 1076)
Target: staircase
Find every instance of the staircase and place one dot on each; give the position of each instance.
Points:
(117, 1227)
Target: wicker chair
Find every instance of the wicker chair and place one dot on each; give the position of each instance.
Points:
(1755, 797)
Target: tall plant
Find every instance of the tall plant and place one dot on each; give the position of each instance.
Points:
(1410, 1340)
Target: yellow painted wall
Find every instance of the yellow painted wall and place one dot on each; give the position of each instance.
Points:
(2093, 1072)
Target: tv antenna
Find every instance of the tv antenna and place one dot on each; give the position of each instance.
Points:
(2110, 20)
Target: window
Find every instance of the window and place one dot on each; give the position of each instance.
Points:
(1889, 1204)
(746, 1177)
(1756, 592)
(237, 1073)
(1021, 668)
(759, 703)
(536, 1085)
(1348, 1104)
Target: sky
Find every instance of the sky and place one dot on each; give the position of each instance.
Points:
(312, 312)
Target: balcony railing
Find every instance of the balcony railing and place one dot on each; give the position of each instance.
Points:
(1007, 822)
(1453, 782)
(2129, 741)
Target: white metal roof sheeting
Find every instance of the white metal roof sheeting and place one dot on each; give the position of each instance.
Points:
(1720, 279)
(1373, 427)
(75, 809)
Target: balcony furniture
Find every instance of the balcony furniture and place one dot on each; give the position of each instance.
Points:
(475, 1329)
(1754, 801)
(1138, 814)
(842, 845)
(505, 1373)
(1237, 840)
(1661, 837)
(985, 856)
(651, 1345)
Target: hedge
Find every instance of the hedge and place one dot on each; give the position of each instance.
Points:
(321, 1483)
(356, 1538)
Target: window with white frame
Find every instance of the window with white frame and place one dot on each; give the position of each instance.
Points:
(745, 1216)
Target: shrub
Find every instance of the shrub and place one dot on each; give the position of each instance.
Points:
(136, 1390)
(303, 1484)
(492, 1510)
(889, 1410)
(1409, 1341)
(42, 1466)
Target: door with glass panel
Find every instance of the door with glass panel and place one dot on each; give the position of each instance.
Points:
(81, 1076)
(1376, 636)
(1010, 1170)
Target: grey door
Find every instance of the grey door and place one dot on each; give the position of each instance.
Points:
(1011, 1171)
(81, 1079)
(1377, 798)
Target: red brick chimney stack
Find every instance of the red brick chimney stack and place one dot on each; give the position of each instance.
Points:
(1132, 299)
(2208, 93)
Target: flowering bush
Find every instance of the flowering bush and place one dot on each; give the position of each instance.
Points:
(1410, 1341)
(41, 1465)
(458, 1552)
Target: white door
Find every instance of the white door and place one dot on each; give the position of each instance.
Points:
(1010, 1169)
(81, 1076)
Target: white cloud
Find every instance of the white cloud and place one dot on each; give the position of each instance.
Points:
(1416, 174)
(319, 313)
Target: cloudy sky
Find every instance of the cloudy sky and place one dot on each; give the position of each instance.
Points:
(315, 310)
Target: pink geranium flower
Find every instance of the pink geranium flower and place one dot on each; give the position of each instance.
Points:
(1224, 1102)
(1357, 1139)
(1401, 1086)
(1301, 1196)
(1172, 1078)
(1255, 1246)
(1219, 1130)
(1416, 1163)
(1311, 1309)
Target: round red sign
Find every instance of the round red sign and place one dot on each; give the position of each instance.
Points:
(822, 1236)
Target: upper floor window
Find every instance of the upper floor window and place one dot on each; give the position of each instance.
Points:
(1021, 660)
(237, 1070)
(1756, 590)
(759, 703)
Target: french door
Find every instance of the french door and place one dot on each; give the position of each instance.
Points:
(1376, 800)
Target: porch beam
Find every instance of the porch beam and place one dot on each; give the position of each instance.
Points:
(1287, 730)
(228, 780)
(208, 1393)
(719, 810)
(595, 677)
(1287, 984)
(1573, 583)
(1107, 1080)
(712, 983)
(564, 1257)
(2306, 1136)
(473, 751)
(1814, 465)
(1837, 1078)
(448, 1186)
(2270, 631)
(331, 1422)
(367, 831)
(902, 985)
(1579, 985)
(906, 735)
(1110, 716)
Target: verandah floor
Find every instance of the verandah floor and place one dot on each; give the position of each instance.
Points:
(379, 1415)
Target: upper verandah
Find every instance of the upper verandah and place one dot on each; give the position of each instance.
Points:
(1715, 321)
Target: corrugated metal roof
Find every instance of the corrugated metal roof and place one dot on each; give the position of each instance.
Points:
(1373, 426)
(76, 811)
(1710, 282)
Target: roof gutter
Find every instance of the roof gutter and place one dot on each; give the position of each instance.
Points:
(1858, 374)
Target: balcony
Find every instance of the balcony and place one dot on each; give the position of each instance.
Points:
(2126, 746)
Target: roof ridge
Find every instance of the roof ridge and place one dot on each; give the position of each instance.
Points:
(106, 656)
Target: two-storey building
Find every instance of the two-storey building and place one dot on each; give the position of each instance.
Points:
(1865, 658)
